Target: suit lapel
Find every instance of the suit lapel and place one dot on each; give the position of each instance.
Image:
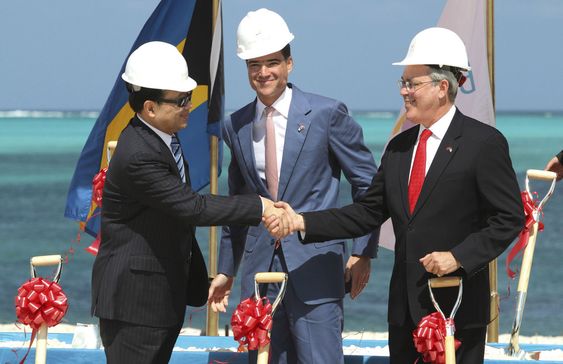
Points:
(159, 146)
(405, 167)
(447, 149)
(186, 166)
(298, 122)
(148, 135)
(242, 125)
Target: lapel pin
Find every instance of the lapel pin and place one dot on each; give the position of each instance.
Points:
(449, 149)
(300, 128)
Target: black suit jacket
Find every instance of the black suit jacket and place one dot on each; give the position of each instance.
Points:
(469, 204)
(141, 273)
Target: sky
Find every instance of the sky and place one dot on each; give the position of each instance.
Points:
(66, 54)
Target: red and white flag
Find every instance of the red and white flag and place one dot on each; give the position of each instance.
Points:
(474, 99)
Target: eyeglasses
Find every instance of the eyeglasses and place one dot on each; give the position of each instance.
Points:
(410, 85)
(180, 102)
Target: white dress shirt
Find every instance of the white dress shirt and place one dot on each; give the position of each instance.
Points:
(281, 113)
(438, 129)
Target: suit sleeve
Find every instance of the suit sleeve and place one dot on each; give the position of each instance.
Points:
(346, 143)
(501, 205)
(354, 220)
(153, 184)
(233, 237)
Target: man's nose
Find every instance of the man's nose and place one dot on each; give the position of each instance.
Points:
(264, 70)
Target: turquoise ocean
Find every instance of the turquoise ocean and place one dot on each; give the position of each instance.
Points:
(39, 151)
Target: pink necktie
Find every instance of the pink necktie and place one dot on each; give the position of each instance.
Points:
(418, 169)
(271, 159)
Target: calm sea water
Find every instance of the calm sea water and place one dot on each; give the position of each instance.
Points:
(38, 155)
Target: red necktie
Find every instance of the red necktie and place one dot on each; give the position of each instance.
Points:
(418, 169)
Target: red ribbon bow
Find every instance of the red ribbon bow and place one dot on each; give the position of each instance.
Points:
(529, 208)
(98, 186)
(97, 193)
(429, 338)
(251, 322)
(40, 301)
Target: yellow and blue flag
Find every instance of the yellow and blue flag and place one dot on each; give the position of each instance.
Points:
(196, 29)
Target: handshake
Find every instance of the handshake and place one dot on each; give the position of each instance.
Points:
(280, 219)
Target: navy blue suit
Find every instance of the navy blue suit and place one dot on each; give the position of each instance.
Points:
(321, 142)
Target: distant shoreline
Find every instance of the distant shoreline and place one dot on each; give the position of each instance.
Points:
(22, 113)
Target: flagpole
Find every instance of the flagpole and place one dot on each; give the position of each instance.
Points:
(212, 327)
(493, 327)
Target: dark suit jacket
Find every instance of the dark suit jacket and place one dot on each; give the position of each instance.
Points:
(149, 216)
(469, 204)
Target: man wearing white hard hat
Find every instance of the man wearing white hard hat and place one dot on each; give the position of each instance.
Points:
(450, 190)
(149, 266)
(293, 145)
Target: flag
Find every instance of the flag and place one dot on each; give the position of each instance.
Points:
(474, 98)
(189, 25)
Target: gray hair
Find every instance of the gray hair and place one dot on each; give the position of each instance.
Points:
(438, 74)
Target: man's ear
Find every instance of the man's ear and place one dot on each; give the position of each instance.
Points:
(149, 107)
(289, 62)
(444, 87)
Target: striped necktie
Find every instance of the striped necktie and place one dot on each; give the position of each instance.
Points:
(177, 151)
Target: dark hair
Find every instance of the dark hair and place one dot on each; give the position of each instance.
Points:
(137, 98)
(286, 51)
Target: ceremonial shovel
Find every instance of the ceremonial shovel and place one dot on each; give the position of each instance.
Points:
(40, 261)
(269, 277)
(444, 282)
(513, 348)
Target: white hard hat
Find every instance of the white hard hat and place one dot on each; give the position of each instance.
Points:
(158, 65)
(260, 33)
(439, 46)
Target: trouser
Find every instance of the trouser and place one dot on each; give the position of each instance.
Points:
(303, 333)
(129, 343)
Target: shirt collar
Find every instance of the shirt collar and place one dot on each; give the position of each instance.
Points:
(166, 138)
(281, 104)
(440, 127)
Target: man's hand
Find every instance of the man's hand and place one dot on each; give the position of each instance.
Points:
(219, 291)
(288, 224)
(358, 270)
(440, 263)
(280, 223)
(555, 166)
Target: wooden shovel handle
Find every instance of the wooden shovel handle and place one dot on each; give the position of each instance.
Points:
(263, 354)
(41, 345)
(44, 260)
(541, 175)
(450, 350)
(270, 277)
(111, 145)
(443, 282)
